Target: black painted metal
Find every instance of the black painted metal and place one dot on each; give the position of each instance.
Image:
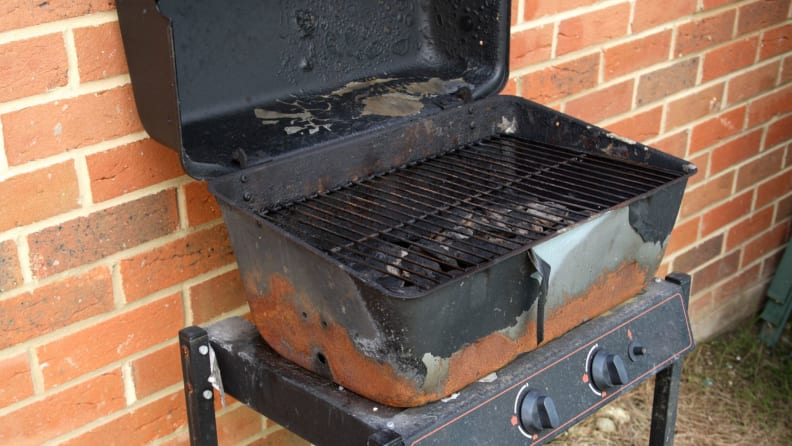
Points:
(194, 346)
(482, 413)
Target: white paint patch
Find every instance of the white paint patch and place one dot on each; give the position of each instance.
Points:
(492, 377)
(451, 397)
(507, 126)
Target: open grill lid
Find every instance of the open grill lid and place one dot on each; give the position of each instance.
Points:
(231, 84)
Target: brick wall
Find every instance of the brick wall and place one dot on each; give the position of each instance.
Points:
(107, 248)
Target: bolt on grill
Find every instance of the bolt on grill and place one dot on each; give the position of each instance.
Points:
(417, 226)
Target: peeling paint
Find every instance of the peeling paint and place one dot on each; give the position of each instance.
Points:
(392, 104)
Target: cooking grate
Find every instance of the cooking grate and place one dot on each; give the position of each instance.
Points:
(419, 225)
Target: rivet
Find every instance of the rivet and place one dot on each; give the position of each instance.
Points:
(247, 196)
(204, 350)
(243, 179)
(472, 125)
(207, 394)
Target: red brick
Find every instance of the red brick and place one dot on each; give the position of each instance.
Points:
(694, 106)
(55, 306)
(762, 14)
(142, 425)
(514, 14)
(238, 424)
(510, 88)
(49, 129)
(175, 262)
(729, 58)
(282, 437)
(650, 13)
(749, 227)
(100, 52)
(711, 4)
(10, 273)
(561, 80)
(675, 144)
(530, 46)
(784, 210)
(21, 13)
(717, 129)
(779, 132)
(87, 239)
(32, 66)
(754, 82)
(122, 335)
(774, 188)
(157, 370)
(661, 83)
(47, 192)
(763, 109)
(16, 379)
(700, 254)
(637, 54)
(592, 28)
(64, 411)
(202, 207)
(639, 126)
(182, 438)
(684, 235)
(131, 167)
(704, 195)
(726, 213)
(702, 161)
(216, 296)
(602, 104)
(705, 33)
(764, 166)
(786, 71)
(715, 272)
(534, 9)
(732, 153)
(776, 41)
(736, 285)
(766, 243)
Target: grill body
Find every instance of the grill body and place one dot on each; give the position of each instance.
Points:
(301, 246)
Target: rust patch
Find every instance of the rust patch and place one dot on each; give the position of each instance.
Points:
(294, 328)
(612, 289)
(297, 330)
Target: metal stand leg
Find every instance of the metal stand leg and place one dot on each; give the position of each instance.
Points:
(664, 407)
(194, 343)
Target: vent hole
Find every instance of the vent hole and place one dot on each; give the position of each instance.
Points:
(321, 358)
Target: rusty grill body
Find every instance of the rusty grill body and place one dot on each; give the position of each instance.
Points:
(398, 229)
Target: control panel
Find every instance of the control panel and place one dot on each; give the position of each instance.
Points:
(571, 377)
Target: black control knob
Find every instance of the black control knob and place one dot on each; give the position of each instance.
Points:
(608, 370)
(537, 412)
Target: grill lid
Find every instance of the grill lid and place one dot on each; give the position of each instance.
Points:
(235, 84)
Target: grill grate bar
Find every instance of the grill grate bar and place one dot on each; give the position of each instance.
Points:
(641, 173)
(400, 228)
(488, 203)
(381, 250)
(569, 169)
(422, 224)
(418, 223)
(521, 191)
(563, 184)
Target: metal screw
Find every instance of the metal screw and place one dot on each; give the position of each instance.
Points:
(247, 196)
(472, 125)
(204, 350)
(207, 394)
(243, 178)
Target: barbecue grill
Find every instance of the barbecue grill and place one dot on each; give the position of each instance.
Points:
(399, 230)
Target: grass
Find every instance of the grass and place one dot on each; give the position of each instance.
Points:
(734, 391)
